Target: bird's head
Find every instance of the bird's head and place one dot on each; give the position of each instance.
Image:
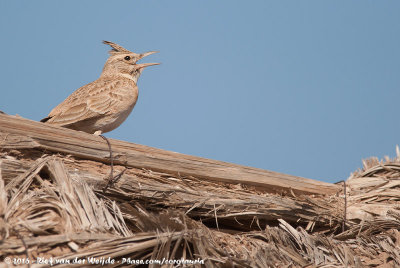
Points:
(123, 61)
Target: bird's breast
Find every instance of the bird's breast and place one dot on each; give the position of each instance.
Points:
(125, 94)
(125, 98)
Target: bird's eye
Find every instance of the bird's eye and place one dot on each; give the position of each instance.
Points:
(127, 58)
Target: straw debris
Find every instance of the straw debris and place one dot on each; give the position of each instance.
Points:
(52, 207)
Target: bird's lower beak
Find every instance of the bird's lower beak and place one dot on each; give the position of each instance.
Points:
(143, 65)
(141, 56)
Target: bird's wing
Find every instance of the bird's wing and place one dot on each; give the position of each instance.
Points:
(90, 101)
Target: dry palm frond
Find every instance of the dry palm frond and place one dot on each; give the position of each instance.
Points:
(56, 204)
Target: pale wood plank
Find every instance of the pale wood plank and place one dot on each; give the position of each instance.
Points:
(20, 133)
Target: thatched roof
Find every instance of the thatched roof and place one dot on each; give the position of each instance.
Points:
(52, 206)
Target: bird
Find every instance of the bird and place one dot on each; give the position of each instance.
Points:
(102, 105)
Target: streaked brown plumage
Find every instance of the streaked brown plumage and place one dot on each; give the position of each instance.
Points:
(104, 104)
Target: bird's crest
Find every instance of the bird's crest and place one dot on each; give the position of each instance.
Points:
(116, 48)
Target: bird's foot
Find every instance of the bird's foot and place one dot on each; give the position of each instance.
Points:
(111, 176)
(112, 180)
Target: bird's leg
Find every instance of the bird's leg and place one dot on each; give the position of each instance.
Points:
(111, 176)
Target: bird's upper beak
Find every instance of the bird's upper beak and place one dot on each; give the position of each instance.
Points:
(141, 56)
(143, 65)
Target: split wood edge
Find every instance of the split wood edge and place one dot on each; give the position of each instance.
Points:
(20, 133)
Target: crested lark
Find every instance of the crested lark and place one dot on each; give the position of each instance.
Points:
(104, 104)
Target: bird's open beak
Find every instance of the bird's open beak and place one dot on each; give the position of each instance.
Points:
(143, 65)
(141, 56)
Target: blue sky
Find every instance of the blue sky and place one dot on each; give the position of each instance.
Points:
(308, 88)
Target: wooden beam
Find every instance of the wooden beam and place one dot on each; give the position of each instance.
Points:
(20, 133)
